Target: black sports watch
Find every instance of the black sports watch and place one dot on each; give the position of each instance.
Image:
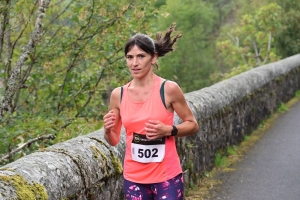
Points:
(174, 131)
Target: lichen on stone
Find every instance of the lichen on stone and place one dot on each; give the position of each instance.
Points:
(117, 164)
(25, 190)
(98, 153)
(115, 160)
(7, 169)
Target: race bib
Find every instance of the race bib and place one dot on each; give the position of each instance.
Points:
(147, 151)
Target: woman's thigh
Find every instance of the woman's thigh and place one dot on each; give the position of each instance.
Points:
(171, 189)
(137, 191)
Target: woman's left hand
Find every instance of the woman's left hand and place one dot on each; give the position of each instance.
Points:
(156, 129)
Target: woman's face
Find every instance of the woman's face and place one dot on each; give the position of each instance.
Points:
(139, 62)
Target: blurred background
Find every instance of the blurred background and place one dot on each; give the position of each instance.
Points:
(62, 90)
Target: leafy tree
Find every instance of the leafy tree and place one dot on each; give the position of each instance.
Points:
(249, 43)
(159, 3)
(224, 9)
(192, 61)
(62, 76)
(287, 40)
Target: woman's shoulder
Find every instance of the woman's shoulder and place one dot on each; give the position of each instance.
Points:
(116, 93)
(171, 86)
(167, 82)
(119, 89)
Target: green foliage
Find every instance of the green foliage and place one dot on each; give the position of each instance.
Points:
(287, 40)
(282, 108)
(297, 93)
(246, 137)
(28, 126)
(68, 78)
(222, 157)
(192, 61)
(265, 21)
(220, 160)
(159, 3)
(232, 150)
(189, 145)
(249, 43)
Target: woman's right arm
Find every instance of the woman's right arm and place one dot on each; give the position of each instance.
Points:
(112, 120)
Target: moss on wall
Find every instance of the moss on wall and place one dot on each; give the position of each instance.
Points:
(116, 162)
(25, 190)
(97, 153)
(7, 169)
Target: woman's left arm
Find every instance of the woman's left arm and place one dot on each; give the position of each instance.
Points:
(175, 97)
(175, 101)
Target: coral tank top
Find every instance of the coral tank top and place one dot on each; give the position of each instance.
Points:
(146, 161)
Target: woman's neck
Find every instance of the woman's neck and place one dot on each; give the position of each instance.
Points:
(143, 82)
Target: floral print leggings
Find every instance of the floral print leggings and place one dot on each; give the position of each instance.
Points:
(171, 189)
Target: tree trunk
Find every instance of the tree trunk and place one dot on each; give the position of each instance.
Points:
(13, 84)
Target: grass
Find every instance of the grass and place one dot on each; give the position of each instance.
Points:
(282, 108)
(232, 150)
(219, 160)
(297, 94)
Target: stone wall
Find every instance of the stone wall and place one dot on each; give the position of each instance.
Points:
(88, 168)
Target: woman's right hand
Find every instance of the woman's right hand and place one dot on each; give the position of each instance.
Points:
(109, 120)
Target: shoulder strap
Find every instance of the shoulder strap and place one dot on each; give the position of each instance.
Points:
(121, 94)
(162, 93)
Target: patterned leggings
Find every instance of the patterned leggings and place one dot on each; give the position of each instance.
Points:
(171, 189)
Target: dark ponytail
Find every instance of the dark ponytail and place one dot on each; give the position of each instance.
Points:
(163, 44)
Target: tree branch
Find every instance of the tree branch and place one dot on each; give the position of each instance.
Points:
(257, 56)
(269, 48)
(13, 82)
(11, 46)
(97, 83)
(26, 144)
(3, 26)
(236, 41)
